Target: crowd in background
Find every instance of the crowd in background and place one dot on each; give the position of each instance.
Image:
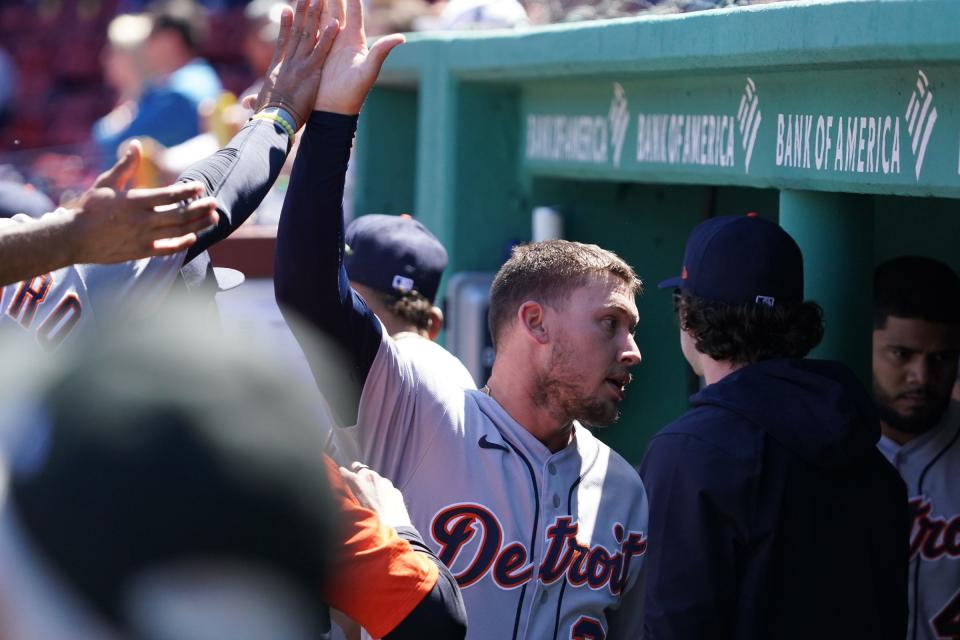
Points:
(71, 69)
(161, 479)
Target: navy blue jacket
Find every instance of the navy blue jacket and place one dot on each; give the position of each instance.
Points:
(772, 513)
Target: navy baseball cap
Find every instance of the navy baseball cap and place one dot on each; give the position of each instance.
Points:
(394, 254)
(741, 259)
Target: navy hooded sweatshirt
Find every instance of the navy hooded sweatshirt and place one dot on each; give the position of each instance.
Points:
(772, 513)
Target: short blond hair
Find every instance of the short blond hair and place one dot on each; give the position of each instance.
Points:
(548, 272)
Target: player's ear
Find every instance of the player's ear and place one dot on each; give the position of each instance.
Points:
(434, 322)
(531, 316)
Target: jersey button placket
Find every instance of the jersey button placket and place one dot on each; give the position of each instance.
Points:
(551, 485)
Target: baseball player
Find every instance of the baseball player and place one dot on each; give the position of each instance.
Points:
(772, 515)
(385, 577)
(395, 264)
(543, 526)
(916, 343)
(54, 305)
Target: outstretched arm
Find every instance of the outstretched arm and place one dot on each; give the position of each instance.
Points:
(105, 225)
(240, 174)
(238, 177)
(309, 278)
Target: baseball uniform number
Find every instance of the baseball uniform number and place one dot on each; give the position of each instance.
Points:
(587, 628)
(947, 622)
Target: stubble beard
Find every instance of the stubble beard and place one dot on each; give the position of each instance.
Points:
(556, 390)
(915, 424)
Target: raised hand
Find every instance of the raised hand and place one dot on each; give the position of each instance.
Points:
(351, 68)
(306, 36)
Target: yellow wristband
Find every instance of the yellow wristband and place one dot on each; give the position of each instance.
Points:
(273, 117)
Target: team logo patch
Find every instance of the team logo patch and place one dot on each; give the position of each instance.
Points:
(402, 284)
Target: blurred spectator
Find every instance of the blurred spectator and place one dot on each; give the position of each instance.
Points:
(144, 108)
(124, 67)
(399, 16)
(172, 50)
(483, 14)
(223, 118)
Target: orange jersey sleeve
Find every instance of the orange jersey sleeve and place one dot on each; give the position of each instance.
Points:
(376, 577)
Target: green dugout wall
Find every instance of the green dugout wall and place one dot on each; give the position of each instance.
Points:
(839, 119)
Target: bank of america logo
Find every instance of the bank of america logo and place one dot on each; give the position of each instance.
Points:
(748, 117)
(921, 116)
(619, 119)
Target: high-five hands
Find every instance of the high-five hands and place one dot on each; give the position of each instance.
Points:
(351, 68)
(306, 36)
(328, 56)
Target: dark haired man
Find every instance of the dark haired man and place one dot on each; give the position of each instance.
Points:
(771, 513)
(542, 525)
(916, 343)
(395, 264)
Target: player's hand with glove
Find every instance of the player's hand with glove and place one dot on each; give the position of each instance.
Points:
(351, 67)
(377, 494)
(305, 40)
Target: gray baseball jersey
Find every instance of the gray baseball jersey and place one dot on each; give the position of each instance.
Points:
(930, 465)
(54, 305)
(544, 545)
(432, 357)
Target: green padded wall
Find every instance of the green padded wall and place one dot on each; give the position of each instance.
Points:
(840, 119)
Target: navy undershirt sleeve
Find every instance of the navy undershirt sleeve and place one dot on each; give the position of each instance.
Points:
(239, 176)
(310, 281)
(441, 614)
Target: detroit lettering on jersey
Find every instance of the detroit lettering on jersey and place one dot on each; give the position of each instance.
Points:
(934, 537)
(56, 305)
(24, 301)
(458, 524)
